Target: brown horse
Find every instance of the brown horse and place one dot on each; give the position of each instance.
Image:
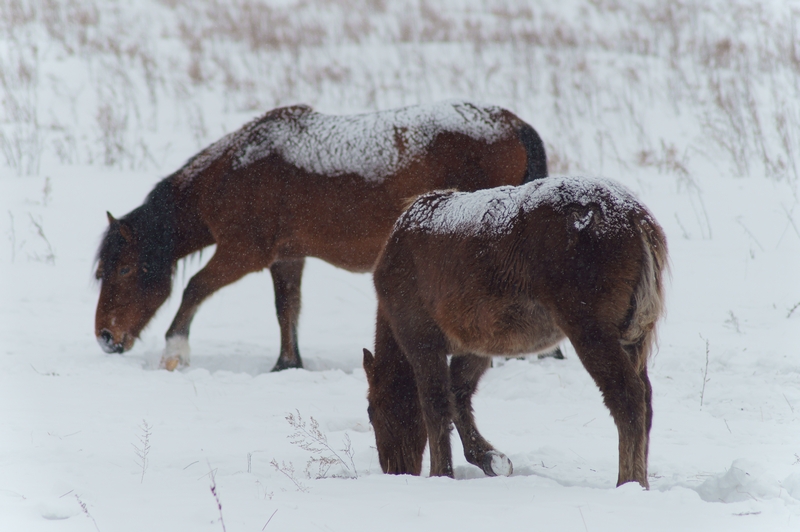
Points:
(291, 184)
(508, 271)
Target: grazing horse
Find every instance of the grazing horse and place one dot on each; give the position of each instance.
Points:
(291, 184)
(508, 271)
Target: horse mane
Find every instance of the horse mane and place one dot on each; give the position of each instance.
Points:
(152, 227)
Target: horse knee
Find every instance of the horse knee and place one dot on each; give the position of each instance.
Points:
(437, 408)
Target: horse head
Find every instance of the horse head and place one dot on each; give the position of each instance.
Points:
(132, 285)
(396, 417)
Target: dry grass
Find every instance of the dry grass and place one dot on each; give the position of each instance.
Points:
(667, 160)
(21, 144)
(604, 76)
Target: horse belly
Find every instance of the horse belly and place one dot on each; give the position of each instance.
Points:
(495, 327)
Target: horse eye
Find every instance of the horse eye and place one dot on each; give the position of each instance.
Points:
(125, 271)
(370, 412)
(98, 274)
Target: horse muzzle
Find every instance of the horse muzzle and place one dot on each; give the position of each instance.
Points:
(107, 343)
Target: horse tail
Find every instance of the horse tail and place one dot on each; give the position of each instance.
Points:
(537, 158)
(647, 301)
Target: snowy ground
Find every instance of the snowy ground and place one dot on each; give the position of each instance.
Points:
(725, 453)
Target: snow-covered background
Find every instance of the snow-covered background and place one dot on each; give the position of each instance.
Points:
(694, 105)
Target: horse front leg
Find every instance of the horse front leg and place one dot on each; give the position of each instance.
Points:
(465, 372)
(425, 347)
(224, 268)
(437, 409)
(286, 278)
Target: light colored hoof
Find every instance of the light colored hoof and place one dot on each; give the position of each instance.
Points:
(497, 464)
(176, 353)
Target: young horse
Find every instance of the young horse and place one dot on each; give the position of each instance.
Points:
(507, 271)
(291, 184)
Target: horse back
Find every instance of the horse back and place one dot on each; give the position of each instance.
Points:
(280, 204)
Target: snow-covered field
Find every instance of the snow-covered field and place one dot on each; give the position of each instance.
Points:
(695, 106)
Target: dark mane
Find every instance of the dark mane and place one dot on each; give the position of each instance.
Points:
(152, 225)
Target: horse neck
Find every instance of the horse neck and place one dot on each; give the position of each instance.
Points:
(179, 198)
(158, 222)
(191, 233)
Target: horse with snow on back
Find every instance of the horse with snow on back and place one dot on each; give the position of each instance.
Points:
(291, 184)
(503, 272)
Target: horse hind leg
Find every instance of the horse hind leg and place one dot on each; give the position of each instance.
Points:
(648, 397)
(625, 393)
(465, 372)
(286, 279)
(636, 352)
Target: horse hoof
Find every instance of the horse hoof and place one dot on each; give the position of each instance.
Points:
(176, 353)
(281, 365)
(497, 464)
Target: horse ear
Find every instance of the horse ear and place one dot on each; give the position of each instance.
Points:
(369, 365)
(125, 231)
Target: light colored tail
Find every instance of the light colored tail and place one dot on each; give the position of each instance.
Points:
(648, 298)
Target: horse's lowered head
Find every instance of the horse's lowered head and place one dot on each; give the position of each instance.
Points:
(135, 280)
(396, 417)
